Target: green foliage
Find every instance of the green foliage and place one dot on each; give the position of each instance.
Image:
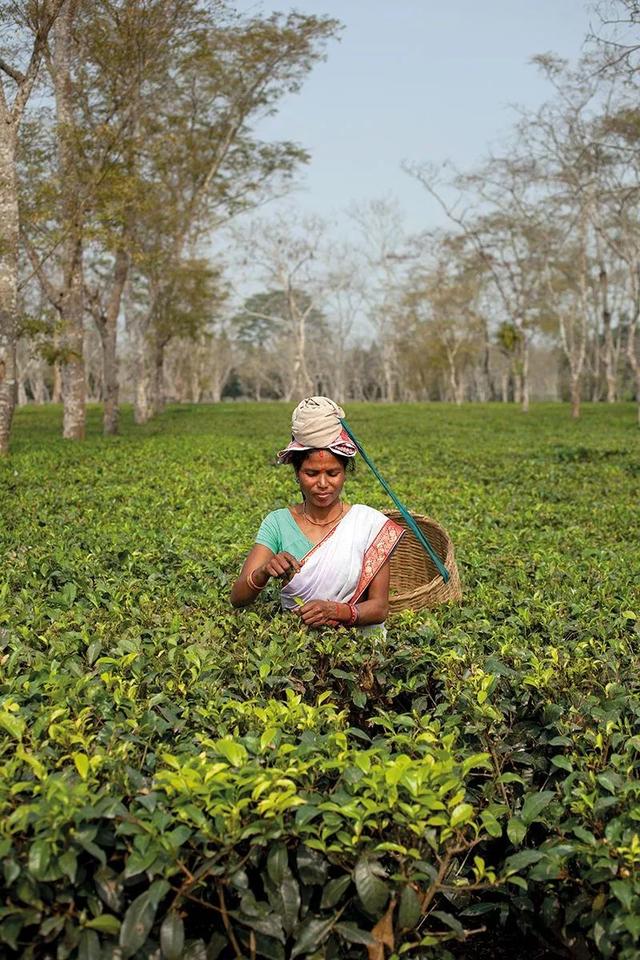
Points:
(194, 295)
(181, 780)
(266, 316)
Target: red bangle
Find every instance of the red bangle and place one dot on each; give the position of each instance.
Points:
(354, 614)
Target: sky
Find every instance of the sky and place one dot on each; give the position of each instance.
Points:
(415, 80)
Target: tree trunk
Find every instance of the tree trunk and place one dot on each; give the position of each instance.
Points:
(574, 344)
(597, 354)
(525, 374)
(108, 335)
(107, 324)
(142, 410)
(159, 398)
(301, 384)
(38, 386)
(56, 388)
(517, 384)
(9, 217)
(73, 373)
(142, 403)
(389, 390)
(632, 357)
(42, 17)
(488, 390)
(22, 377)
(196, 389)
(608, 349)
(609, 362)
(110, 381)
(575, 395)
(454, 383)
(71, 304)
(340, 369)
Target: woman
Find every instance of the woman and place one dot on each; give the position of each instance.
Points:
(330, 556)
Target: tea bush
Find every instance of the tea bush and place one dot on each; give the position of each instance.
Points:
(181, 780)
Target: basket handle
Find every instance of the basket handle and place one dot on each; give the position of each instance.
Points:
(413, 526)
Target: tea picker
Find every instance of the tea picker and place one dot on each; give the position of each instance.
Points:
(423, 567)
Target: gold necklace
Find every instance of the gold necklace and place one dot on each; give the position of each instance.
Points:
(318, 523)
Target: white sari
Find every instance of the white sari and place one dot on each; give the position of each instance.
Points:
(342, 565)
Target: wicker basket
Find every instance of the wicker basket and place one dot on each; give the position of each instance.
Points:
(415, 581)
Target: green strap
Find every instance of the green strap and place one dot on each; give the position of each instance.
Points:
(444, 573)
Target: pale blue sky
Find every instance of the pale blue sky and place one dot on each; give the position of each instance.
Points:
(416, 80)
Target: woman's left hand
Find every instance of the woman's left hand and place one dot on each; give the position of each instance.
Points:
(319, 613)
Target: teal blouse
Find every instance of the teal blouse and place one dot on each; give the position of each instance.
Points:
(279, 531)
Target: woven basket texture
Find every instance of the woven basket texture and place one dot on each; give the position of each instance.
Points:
(415, 581)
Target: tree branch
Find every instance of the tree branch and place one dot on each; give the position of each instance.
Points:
(25, 84)
(53, 293)
(12, 72)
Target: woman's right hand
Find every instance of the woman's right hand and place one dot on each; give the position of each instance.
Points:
(282, 565)
(261, 564)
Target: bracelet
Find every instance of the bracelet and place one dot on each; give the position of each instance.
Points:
(354, 614)
(253, 584)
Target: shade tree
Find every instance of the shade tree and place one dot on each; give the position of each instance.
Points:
(287, 259)
(152, 139)
(24, 32)
(443, 299)
(206, 164)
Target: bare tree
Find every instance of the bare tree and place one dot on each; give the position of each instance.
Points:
(618, 232)
(623, 237)
(344, 304)
(444, 296)
(572, 162)
(288, 261)
(495, 210)
(387, 257)
(619, 35)
(198, 369)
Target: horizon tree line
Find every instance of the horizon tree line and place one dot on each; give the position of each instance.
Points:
(129, 144)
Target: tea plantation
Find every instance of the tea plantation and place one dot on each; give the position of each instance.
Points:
(180, 780)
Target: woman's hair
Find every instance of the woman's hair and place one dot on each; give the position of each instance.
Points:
(298, 457)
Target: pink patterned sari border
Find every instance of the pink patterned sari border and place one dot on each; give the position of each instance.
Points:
(377, 555)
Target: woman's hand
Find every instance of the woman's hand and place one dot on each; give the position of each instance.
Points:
(319, 613)
(261, 564)
(282, 565)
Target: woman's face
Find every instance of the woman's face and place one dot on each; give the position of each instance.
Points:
(321, 477)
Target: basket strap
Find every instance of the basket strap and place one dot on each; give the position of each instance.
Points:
(413, 526)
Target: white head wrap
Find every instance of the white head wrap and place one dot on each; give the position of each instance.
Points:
(315, 424)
